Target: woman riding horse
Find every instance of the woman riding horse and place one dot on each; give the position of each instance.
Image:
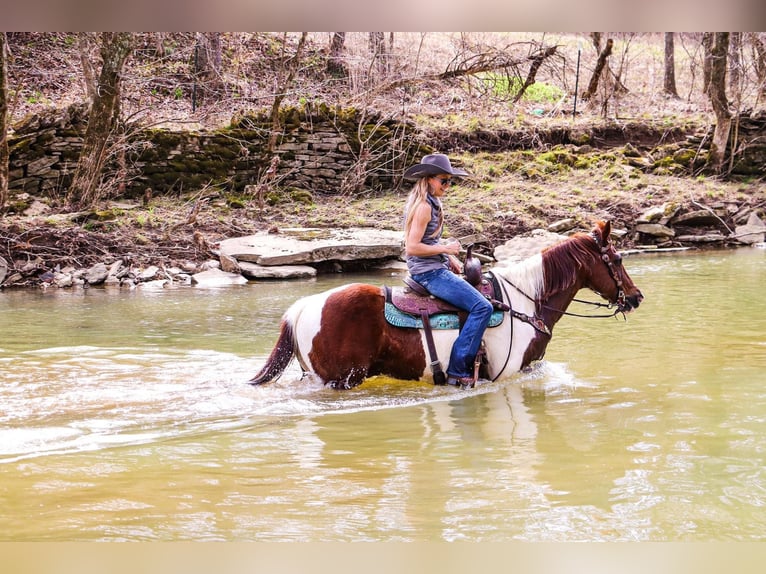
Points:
(432, 263)
(343, 336)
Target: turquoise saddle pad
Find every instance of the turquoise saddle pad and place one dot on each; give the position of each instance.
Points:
(438, 321)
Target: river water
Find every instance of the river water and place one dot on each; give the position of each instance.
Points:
(126, 415)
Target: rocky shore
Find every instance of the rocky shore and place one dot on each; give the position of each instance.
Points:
(299, 253)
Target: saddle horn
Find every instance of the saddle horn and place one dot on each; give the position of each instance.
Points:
(472, 267)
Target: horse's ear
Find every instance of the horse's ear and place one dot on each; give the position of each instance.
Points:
(603, 229)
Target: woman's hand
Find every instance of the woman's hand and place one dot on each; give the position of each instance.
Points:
(451, 246)
(454, 264)
(452, 249)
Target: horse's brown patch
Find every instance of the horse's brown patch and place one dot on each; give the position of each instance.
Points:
(354, 340)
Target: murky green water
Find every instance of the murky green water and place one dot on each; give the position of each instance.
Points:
(126, 416)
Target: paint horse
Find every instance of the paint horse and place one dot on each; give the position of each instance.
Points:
(342, 335)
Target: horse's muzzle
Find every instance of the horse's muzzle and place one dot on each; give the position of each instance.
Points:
(630, 303)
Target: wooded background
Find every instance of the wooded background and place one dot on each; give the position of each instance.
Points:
(138, 81)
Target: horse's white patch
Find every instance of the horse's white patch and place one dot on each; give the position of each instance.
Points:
(526, 275)
(306, 317)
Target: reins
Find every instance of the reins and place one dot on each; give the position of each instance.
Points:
(592, 303)
(575, 300)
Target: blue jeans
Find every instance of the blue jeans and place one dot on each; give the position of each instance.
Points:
(444, 284)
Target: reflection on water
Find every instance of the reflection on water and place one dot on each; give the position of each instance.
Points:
(126, 416)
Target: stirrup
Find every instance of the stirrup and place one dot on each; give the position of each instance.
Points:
(480, 360)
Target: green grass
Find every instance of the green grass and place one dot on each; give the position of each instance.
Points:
(538, 93)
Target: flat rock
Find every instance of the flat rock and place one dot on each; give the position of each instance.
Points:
(655, 230)
(149, 273)
(706, 238)
(652, 214)
(753, 232)
(96, 274)
(700, 217)
(255, 271)
(217, 278)
(562, 225)
(301, 246)
(156, 284)
(749, 234)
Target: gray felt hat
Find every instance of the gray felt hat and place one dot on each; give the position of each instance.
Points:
(433, 164)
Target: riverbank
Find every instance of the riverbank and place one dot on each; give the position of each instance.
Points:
(509, 194)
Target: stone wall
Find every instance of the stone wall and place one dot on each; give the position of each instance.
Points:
(321, 149)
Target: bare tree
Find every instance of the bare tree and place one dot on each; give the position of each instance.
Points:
(207, 63)
(759, 60)
(290, 68)
(670, 66)
(379, 52)
(335, 64)
(600, 64)
(87, 43)
(707, 62)
(537, 60)
(104, 112)
(3, 120)
(735, 61)
(717, 56)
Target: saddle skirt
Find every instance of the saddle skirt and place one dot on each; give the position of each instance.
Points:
(405, 308)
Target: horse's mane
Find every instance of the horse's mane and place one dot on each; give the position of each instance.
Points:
(562, 261)
(553, 269)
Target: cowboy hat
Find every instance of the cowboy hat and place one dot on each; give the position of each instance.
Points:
(432, 164)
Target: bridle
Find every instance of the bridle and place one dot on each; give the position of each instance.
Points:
(604, 248)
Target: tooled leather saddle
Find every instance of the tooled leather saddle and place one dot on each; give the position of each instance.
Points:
(414, 307)
(415, 301)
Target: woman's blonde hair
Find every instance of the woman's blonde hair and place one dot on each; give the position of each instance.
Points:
(418, 195)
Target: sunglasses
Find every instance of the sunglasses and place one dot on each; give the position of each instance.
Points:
(445, 181)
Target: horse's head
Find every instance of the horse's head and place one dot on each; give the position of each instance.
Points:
(609, 278)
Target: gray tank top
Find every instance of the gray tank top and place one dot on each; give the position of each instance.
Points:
(416, 264)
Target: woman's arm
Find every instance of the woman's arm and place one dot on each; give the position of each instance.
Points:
(413, 244)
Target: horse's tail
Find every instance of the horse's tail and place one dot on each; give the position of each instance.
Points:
(280, 356)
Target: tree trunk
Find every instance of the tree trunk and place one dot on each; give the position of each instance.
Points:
(595, 37)
(670, 66)
(3, 121)
(335, 65)
(717, 93)
(735, 62)
(86, 42)
(707, 63)
(759, 60)
(104, 111)
(378, 51)
(593, 84)
(537, 61)
(207, 63)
